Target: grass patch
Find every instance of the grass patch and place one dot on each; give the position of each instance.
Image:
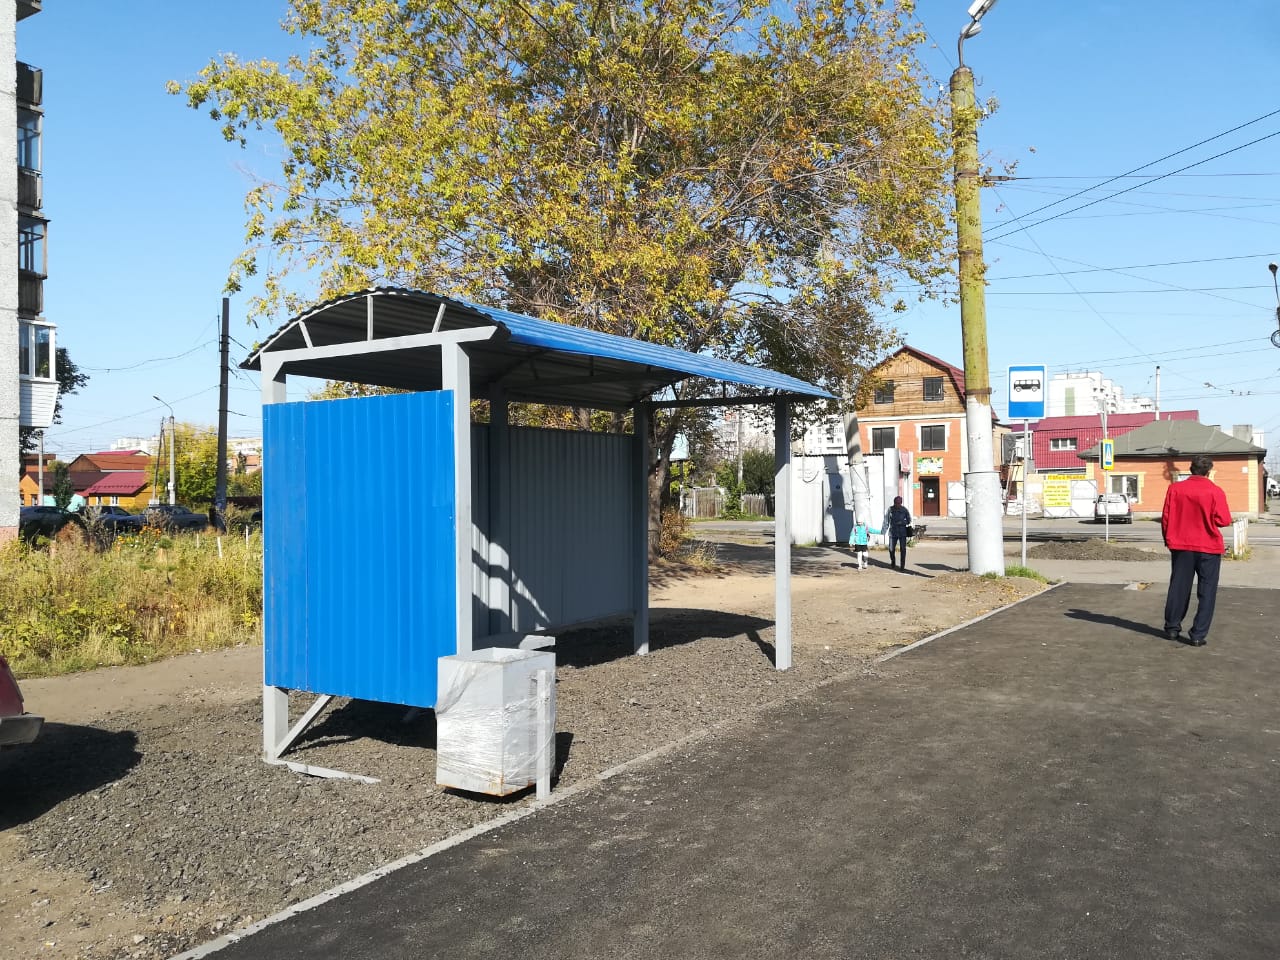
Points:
(71, 607)
(1016, 570)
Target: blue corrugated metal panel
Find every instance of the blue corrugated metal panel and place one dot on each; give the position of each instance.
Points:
(360, 597)
(570, 527)
(591, 343)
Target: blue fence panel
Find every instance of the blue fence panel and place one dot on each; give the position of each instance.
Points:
(359, 567)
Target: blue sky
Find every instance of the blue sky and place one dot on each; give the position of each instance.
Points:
(145, 201)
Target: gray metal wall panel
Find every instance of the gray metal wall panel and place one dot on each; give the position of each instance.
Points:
(480, 530)
(571, 552)
(359, 604)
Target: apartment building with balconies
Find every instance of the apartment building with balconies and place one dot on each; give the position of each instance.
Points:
(37, 347)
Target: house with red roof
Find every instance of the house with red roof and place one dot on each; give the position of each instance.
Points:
(121, 477)
(916, 405)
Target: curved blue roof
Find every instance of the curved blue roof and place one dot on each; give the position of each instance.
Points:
(537, 360)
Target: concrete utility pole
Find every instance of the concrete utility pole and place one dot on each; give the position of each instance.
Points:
(220, 488)
(173, 441)
(983, 519)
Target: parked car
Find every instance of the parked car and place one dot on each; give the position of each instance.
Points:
(44, 521)
(1113, 505)
(173, 518)
(16, 725)
(113, 518)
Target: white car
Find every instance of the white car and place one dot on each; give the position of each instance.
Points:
(1115, 506)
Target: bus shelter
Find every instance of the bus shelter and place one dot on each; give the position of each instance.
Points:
(397, 532)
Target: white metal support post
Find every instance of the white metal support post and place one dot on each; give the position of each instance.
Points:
(455, 375)
(782, 535)
(275, 700)
(1026, 462)
(499, 520)
(640, 530)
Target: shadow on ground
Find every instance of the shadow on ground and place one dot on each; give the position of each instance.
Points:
(65, 761)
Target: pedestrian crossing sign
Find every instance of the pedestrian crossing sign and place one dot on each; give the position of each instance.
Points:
(1108, 454)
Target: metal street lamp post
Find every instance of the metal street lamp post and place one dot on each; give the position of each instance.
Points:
(1275, 336)
(173, 440)
(983, 521)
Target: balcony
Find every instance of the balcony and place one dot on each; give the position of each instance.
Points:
(37, 400)
(30, 295)
(30, 84)
(30, 189)
(29, 8)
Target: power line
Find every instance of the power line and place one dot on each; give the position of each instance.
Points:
(143, 363)
(1132, 266)
(1059, 293)
(131, 416)
(1130, 173)
(1118, 193)
(1124, 176)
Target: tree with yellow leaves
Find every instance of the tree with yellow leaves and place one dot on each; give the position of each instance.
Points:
(714, 175)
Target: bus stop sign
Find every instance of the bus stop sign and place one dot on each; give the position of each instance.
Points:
(1026, 392)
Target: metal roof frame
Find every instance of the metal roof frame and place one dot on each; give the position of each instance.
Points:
(385, 336)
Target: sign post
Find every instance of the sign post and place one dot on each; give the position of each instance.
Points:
(1026, 401)
(1107, 458)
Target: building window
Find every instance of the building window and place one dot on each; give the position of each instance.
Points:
(1062, 443)
(1126, 483)
(884, 392)
(933, 438)
(35, 350)
(933, 388)
(883, 437)
(31, 231)
(28, 139)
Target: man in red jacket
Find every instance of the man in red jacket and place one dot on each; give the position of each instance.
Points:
(1194, 510)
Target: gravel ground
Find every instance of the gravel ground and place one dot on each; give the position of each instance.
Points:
(157, 828)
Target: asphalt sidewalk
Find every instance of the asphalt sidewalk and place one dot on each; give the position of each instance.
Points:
(1056, 781)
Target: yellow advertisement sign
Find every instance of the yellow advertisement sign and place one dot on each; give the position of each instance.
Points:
(1057, 490)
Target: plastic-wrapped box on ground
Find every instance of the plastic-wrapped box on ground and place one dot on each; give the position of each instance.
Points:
(492, 734)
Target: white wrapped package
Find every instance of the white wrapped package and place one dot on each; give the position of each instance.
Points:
(494, 734)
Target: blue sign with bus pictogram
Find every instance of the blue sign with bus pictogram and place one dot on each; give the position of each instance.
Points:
(1026, 392)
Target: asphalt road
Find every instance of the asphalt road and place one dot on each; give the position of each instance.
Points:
(1265, 530)
(1057, 781)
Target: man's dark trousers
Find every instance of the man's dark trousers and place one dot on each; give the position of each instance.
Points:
(1204, 567)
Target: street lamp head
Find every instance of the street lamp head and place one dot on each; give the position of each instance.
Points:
(977, 10)
(980, 8)
(1273, 268)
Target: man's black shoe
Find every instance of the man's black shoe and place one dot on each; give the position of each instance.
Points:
(1193, 642)
(1172, 634)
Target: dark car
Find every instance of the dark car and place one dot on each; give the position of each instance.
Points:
(44, 521)
(113, 518)
(16, 725)
(172, 518)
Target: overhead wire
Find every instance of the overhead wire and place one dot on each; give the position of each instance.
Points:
(1118, 193)
(1129, 173)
